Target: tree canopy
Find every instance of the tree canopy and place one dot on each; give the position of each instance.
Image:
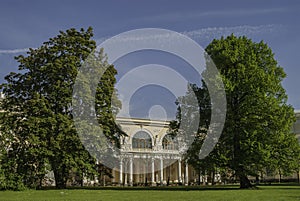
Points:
(37, 125)
(257, 132)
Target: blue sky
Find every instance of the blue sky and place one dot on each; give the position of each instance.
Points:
(29, 23)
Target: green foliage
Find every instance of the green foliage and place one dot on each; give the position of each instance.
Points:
(37, 122)
(258, 121)
(258, 116)
(285, 155)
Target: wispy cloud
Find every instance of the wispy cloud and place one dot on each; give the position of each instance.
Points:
(183, 16)
(207, 34)
(239, 30)
(203, 35)
(14, 51)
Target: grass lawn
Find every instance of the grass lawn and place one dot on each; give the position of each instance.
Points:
(273, 193)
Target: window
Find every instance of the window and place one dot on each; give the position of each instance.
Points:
(142, 140)
(170, 142)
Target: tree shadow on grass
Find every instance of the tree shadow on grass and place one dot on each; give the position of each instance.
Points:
(158, 188)
(183, 188)
(282, 186)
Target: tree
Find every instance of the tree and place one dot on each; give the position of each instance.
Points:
(285, 155)
(256, 133)
(188, 111)
(95, 106)
(38, 120)
(258, 113)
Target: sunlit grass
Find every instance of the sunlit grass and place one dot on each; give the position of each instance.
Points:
(274, 193)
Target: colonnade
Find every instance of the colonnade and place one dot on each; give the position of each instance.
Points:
(156, 171)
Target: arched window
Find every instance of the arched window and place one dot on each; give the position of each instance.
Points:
(170, 142)
(141, 140)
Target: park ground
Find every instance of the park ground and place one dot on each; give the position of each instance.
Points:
(230, 193)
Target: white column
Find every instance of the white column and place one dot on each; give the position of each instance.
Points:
(125, 178)
(145, 171)
(96, 181)
(131, 172)
(161, 170)
(186, 173)
(153, 175)
(121, 171)
(104, 183)
(179, 171)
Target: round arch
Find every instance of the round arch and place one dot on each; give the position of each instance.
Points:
(169, 142)
(142, 140)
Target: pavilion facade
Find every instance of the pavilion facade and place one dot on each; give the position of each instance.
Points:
(149, 155)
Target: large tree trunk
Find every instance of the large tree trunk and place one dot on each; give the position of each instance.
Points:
(199, 176)
(213, 177)
(279, 176)
(60, 179)
(244, 182)
(256, 180)
(240, 170)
